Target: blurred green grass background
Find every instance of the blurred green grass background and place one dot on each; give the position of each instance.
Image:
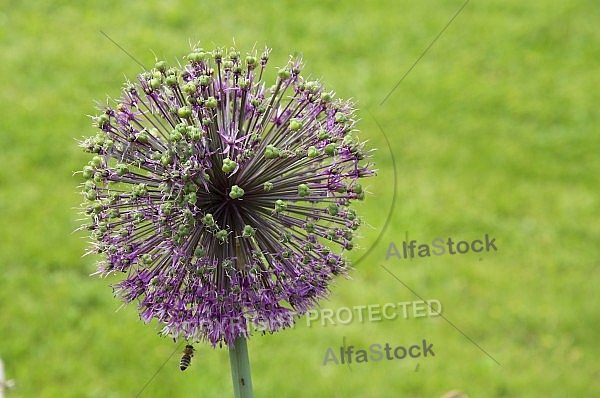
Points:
(494, 131)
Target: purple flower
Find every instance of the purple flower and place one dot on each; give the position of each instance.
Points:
(223, 201)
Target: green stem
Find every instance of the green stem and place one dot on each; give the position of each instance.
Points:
(240, 369)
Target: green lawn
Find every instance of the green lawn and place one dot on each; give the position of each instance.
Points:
(495, 131)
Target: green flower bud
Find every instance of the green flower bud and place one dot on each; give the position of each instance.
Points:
(171, 80)
(188, 215)
(284, 154)
(312, 152)
(98, 177)
(191, 198)
(295, 124)
(102, 121)
(271, 152)
(348, 234)
(236, 192)
(248, 231)
(208, 220)
(211, 102)
(146, 259)
(204, 80)
(121, 169)
(351, 214)
(142, 137)
(234, 55)
(332, 209)
(175, 136)
(191, 100)
(323, 135)
(348, 140)
(194, 57)
(330, 149)
(303, 190)
(89, 185)
(96, 161)
(112, 213)
(161, 66)
(283, 74)
(309, 227)
(88, 172)
(357, 188)
(184, 112)
(331, 234)
(166, 159)
(228, 165)
(155, 83)
(244, 83)
(139, 217)
(221, 235)
(195, 133)
(190, 187)
(267, 186)
(91, 194)
(113, 197)
(140, 189)
(340, 117)
(189, 88)
(280, 206)
(183, 230)
(251, 61)
(102, 227)
(286, 237)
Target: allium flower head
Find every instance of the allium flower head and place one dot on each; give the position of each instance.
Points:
(225, 202)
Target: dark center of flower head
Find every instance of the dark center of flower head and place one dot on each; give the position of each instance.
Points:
(223, 199)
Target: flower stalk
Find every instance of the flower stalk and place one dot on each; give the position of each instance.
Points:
(240, 369)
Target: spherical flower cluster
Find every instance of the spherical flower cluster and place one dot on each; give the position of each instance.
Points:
(226, 203)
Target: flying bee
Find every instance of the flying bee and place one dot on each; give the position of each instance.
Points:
(186, 358)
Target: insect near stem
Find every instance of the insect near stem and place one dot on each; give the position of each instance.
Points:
(186, 358)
